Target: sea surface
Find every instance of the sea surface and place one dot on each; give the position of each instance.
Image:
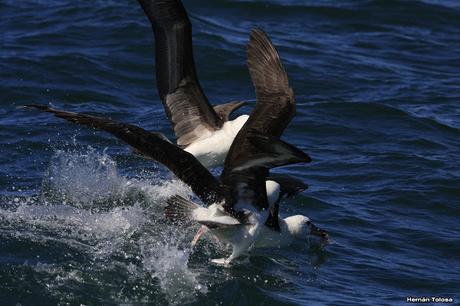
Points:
(378, 109)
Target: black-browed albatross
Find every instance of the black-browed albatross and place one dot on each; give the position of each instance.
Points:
(201, 129)
(238, 211)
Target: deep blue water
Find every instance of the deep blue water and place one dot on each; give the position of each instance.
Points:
(378, 91)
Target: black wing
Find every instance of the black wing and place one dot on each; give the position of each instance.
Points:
(275, 104)
(185, 103)
(156, 146)
(274, 109)
(275, 98)
(245, 181)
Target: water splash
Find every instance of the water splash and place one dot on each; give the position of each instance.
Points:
(168, 262)
(83, 178)
(104, 222)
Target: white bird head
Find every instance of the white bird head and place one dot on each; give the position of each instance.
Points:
(298, 225)
(301, 227)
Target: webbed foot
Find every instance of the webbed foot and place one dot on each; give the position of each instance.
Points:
(203, 229)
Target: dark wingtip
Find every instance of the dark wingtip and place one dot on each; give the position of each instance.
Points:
(258, 32)
(260, 44)
(269, 144)
(36, 106)
(225, 110)
(296, 191)
(289, 185)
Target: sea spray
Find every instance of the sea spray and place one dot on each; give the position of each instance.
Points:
(106, 223)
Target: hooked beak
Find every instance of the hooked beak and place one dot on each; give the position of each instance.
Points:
(322, 234)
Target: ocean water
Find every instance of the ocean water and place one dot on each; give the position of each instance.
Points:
(378, 90)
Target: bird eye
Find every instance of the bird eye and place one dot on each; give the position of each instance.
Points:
(308, 222)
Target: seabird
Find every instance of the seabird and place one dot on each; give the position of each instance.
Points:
(201, 129)
(237, 209)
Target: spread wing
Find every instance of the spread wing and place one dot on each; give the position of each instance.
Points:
(184, 101)
(155, 146)
(275, 104)
(274, 109)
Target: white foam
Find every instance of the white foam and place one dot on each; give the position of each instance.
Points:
(88, 209)
(167, 262)
(84, 178)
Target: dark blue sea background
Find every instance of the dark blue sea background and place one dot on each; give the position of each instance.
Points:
(378, 90)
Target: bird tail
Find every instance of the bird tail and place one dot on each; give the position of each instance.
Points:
(179, 209)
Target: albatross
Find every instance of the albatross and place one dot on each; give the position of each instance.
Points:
(201, 129)
(235, 209)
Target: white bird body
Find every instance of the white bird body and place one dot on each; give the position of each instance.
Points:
(227, 229)
(252, 234)
(212, 148)
(291, 228)
(273, 191)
